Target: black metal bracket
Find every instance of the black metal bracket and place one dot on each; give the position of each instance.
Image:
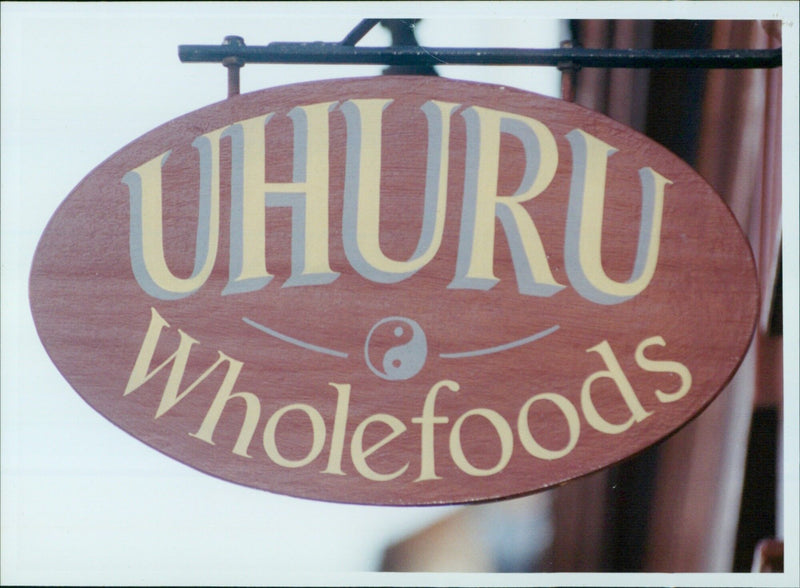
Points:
(233, 53)
(335, 53)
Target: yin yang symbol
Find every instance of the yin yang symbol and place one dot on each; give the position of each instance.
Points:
(399, 347)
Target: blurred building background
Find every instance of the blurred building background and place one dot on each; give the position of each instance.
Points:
(704, 499)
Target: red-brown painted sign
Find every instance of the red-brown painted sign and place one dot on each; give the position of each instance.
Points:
(395, 291)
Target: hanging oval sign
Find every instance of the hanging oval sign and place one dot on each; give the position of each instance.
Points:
(395, 290)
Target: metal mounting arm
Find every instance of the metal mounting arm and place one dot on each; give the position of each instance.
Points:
(234, 54)
(336, 53)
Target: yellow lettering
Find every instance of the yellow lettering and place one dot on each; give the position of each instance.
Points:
(573, 423)
(360, 454)
(147, 226)
(224, 394)
(503, 431)
(475, 262)
(427, 420)
(582, 247)
(318, 436)
(663, 366)
(616, 375)
(307, 195)
(339, 426)
(172, 393)
(362, 194)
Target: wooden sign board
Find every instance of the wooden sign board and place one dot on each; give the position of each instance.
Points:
(395, 290)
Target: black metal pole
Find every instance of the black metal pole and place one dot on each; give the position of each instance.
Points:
(233, 64)
(359, 31)
(336, 53)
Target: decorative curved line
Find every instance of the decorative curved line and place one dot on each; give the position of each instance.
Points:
(499, 348)
(292, 340)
